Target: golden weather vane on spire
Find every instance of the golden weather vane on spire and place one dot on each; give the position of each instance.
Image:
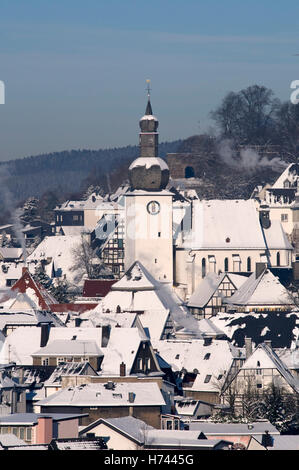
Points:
(148, 88)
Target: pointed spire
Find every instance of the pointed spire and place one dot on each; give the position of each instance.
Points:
(148, 111)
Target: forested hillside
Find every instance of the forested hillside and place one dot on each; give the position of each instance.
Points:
(65, 172)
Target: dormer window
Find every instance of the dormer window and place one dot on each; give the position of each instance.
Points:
(286, 184)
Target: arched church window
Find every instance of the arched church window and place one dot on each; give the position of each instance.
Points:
(248, 264)
(226, 265)
(278, 259)
(189, 172)
(203, 267)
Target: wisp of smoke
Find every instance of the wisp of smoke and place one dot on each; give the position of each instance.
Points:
(9, 203)
(248, 160)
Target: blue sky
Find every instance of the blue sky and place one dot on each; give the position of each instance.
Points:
(75, 72)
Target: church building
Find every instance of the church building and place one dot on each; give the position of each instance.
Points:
(205, 236)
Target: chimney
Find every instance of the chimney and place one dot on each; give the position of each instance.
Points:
(207, 341)
(109, 385)
(77, 322)
(248, 347)
(267, 439)
(131, 397)
(24, 270)
(268, 343)
(44, 430)
(105, 335)
(259, 269)
(122, 369)
(44, 334)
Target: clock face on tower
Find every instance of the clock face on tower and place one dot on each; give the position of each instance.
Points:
(153, 207)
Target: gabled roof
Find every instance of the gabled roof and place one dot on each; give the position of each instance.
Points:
(231, 224)
(205, 290)
(136, 278)
(123, 346)
(70, 368)
(290, 173)
(59, 250)
(268, 359)
(209, 286)
(27, 284)
(133, 428)
(264, 290)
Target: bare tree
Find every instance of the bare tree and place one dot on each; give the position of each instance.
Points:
(86, 261)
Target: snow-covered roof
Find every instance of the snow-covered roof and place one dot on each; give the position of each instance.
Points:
(69, 368)
(91, 202)
(69, 348)
(209, 286)
(282, 442)
(290, 357)
(281, 328)
(176, 438)
(264, 357)
(194, 356)
(186, 406)
(276, 238)
(290, 174)
(138, 291)
(59, 250)
(205, 290)
(32, 418)
(233, 429)
(264, 290)
(132, 427)
(208, 329)
(123, 346)
(155, 321)
(97, 319)
(26, 317)
(11, 440)
(23, 342)
(11, 253)
(136, 278)
(144, 394)
(229, 224)
(10, 270)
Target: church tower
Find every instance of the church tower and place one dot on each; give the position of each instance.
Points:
(148, 236)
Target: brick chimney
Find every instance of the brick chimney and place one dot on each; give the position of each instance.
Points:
(24, 270)
(122, 369)
(44, 430)
(248, 347)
